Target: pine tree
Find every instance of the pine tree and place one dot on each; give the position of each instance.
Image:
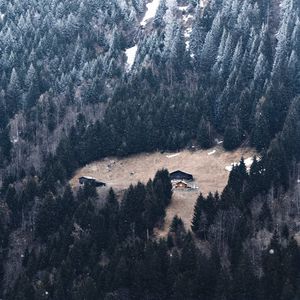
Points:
(47, 218)
(245, 283)
(205, 134)
(196, 222)
(261, 135)
(245, 110)
(5, 144)
(232, 137)
(273, 272)
(13, 93)
(3, 112)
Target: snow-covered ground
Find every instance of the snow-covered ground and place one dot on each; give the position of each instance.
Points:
(212, 152)
(248, 162)
(131, 54)
(187, 35)
(203, 3)
(183, 8)
(172, 155)
(151, 11)
(1, 16)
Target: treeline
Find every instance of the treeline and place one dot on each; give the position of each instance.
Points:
(232, 223)
(121, 136)
(56, 57)
(80, 232)
(156, 270)
(233, 80)
(94, 248)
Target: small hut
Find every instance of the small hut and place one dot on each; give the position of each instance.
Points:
(87, 180)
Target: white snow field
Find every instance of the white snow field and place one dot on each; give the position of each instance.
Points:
(151, 11)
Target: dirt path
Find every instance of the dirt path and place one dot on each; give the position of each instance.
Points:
(208, 168)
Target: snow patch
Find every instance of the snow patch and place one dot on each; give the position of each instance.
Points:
(248, 162)
(187, 17)
(131, 54)
(172, 155)
(2, 16)
(188, 31)
(183, 8)
(203, 3)
(187, 35)
(151, 11)
(212, 152)
(229, 168)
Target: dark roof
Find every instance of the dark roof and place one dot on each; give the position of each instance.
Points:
(91, 181)
(179, 175)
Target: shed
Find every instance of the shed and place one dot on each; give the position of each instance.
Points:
(87, 180)
(180, 175)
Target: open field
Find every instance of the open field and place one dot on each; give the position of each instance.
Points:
(209, 168)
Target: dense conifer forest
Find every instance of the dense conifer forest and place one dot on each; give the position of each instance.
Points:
(202, 70)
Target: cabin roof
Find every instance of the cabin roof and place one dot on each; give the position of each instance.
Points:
(180, 172)
(87, 177)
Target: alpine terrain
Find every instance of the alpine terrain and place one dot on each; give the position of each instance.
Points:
(150, 149)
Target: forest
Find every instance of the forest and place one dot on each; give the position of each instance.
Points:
(227, 69)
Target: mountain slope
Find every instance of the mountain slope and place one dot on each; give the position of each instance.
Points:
(85, 80)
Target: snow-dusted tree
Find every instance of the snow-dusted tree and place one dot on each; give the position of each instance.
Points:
(211, 43)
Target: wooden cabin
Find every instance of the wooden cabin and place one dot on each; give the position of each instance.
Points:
(181, 185)
(87, 180)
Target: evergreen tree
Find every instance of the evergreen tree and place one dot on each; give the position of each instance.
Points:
(196, 222)
(232, 137)
(5, 144)
(273, 272)
(205, 134)
(47, 219)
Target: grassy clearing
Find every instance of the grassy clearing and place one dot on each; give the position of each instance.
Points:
(208, 168)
